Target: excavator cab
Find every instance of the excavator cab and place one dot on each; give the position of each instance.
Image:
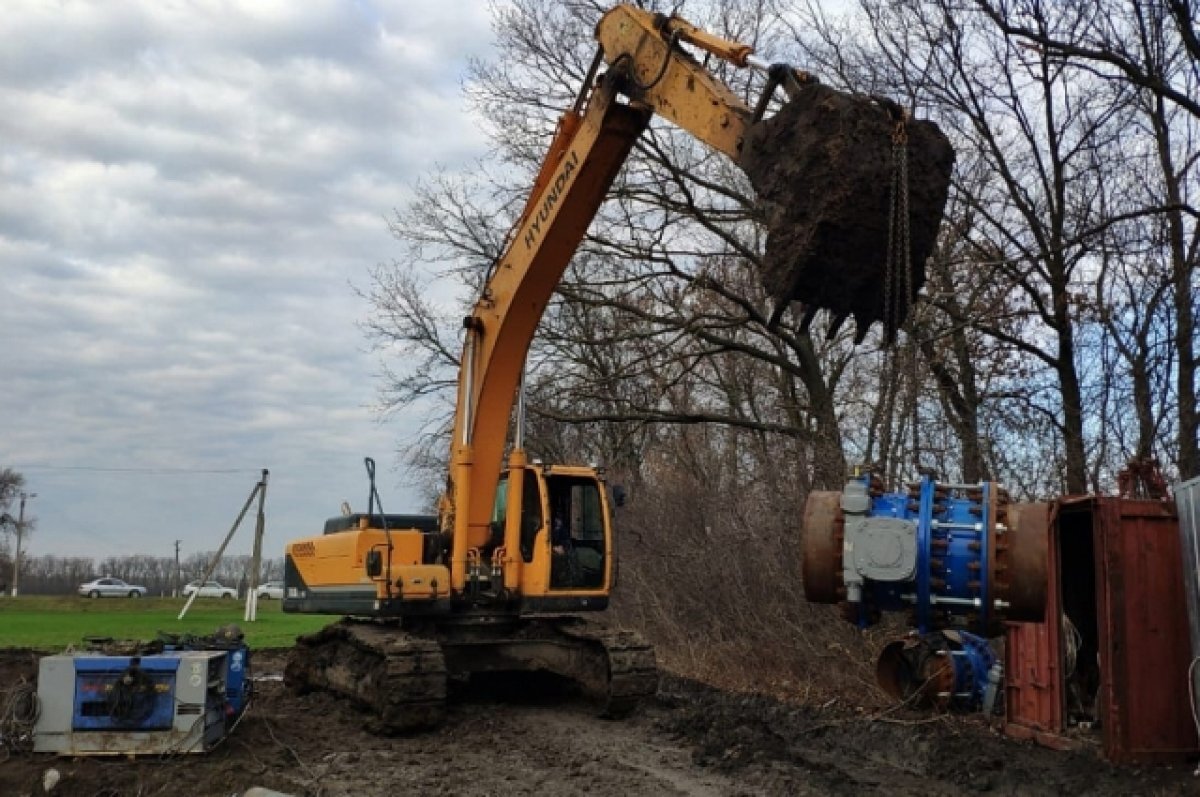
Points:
(578, 533)
(565, 530)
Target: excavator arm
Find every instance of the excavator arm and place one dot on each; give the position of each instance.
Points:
(592, 142)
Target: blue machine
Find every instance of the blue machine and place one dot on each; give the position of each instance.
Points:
(124, 692)
(176, 695)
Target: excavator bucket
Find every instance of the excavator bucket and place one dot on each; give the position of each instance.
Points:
(825, 168)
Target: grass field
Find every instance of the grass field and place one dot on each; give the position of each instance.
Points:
(52, 622)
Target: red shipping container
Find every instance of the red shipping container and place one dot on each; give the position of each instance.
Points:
(1110, 662)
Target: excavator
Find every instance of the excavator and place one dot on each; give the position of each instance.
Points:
(521, 553)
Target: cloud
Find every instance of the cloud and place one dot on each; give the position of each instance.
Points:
(187, 192)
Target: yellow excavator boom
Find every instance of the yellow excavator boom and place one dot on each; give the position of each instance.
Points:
(592, 141)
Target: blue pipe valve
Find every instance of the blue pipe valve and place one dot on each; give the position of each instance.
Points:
(937, 550)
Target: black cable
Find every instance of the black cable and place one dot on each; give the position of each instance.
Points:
(662, 69)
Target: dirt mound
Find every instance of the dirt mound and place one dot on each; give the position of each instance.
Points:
(784, 748)
(822, 168)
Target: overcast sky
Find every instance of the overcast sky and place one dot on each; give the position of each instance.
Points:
(187, 192)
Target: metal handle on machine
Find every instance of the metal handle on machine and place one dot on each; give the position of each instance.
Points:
(374, 501)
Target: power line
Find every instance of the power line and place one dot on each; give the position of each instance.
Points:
(159, 471)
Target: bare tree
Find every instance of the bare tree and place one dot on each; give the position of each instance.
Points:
(1062, 229)
(1108, 39)
(1153, 48)
(1035, 220)
(1175, 61)
(11, 484)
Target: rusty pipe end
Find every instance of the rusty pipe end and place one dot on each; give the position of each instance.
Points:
(821, 547)
(915, 671)
(1028, 538)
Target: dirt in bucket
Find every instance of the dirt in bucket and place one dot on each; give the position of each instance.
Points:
(823, 171)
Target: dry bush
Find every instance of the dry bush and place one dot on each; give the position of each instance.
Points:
(710, 570)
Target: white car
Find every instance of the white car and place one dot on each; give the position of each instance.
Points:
(270, 591)
(209, 589)
(111, 588)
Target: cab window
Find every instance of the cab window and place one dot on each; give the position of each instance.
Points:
(578, 550)
(531, 512)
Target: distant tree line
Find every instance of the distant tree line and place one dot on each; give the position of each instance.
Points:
(60, 575)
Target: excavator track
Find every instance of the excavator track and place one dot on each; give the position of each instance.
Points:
(632, 672)
(399, 678)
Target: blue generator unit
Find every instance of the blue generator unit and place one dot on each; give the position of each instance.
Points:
(171, 701)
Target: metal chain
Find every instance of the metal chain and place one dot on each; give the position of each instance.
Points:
(906, 263)
(890, 259)
(888, 382)
(899, 237)
(899, 292)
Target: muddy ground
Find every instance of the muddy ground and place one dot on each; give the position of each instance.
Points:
(693, 740)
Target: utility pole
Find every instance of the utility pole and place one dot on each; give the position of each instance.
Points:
(259, 490)
(175, 591)
(20, 533)
(255, 568)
